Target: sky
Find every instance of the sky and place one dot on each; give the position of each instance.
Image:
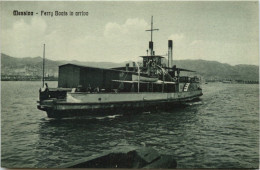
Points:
(114, 31)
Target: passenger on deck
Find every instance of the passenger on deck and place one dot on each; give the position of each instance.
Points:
(89, 88)
(96, 89)
(79, 88)
(45, 88)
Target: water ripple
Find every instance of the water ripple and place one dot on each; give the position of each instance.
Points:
(219, 131)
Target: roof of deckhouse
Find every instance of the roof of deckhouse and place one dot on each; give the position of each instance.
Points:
(152, 56)
(82, 66)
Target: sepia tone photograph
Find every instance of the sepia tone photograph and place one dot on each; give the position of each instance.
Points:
(134, 84)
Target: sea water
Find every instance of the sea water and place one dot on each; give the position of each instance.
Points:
(219, 131)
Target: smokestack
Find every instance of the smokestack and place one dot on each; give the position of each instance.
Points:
(170, 53)
(151, 47)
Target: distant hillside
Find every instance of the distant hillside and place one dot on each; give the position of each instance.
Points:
(27, 66)
(33, 65)
(217, 70)
(206, 69)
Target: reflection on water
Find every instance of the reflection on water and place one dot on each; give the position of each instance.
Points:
(218, 131)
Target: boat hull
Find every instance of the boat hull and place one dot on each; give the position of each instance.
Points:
(86, 104)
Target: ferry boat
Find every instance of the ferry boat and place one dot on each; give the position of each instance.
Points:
(84, 90)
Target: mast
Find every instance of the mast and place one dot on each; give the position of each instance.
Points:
(151, 42)
(170, 53)
(43, 65)
(138, 77)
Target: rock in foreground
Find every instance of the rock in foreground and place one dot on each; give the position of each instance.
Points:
(125, 158)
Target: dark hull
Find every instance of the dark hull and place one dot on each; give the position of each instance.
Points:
(66, 109)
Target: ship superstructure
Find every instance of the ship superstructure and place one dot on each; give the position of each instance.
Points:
(84, 90)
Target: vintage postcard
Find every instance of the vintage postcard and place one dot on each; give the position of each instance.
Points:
(130, 84)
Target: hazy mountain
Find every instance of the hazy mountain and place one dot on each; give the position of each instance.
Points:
(33, 65)
(206, 69)
(214, 69)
